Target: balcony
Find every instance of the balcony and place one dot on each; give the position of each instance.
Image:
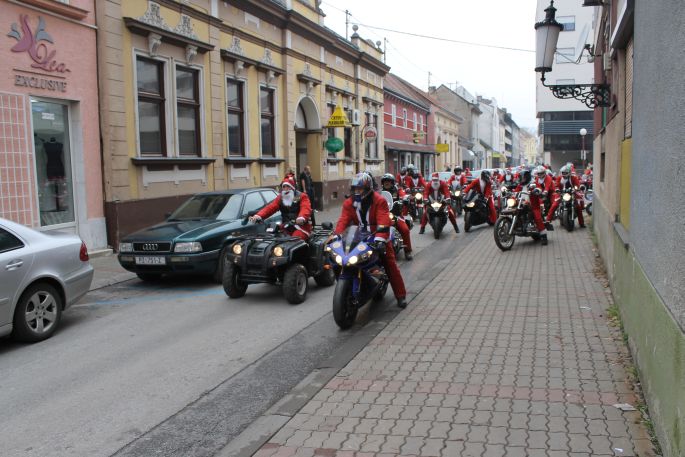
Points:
(565, 127)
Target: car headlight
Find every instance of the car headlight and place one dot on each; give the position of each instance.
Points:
(567, 197)
(193, 246)
(352, 260)
(470, 205)
(237, 249)
(511, 202)
(338, 259)
(418, 196)
(125, 247)
(278, 251)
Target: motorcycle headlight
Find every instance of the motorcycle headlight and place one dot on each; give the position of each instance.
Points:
(352, 260)
(567, 197)
(338, 259)
(237, 249)
(125, 247)
(436, 205)
(511, 202)
(504, 189)
(471, 204)
(457, 193)
(418, 196)
(188, 247)
(392, 217)
(278, 251)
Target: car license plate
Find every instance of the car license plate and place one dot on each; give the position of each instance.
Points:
(150, 260)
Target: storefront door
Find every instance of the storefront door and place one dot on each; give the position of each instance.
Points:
(53, 163)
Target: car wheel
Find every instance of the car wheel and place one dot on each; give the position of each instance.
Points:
(149, 277)
(37, 314)
(218, 275)
(295, 285)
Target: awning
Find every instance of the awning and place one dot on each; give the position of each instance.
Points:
(497, 155)
(470, 154)
(409, 147)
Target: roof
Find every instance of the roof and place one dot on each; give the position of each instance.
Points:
(402, 89)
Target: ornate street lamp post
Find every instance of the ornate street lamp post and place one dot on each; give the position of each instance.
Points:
(583, 132)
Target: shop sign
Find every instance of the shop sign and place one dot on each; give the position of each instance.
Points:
(334, 144)
(370, 133)
(442, 147)
(38, 45)
(338, 118)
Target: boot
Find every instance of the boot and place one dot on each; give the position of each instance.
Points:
(402, 302)
(543, 239)
(549, 226)
(422, 230)
(456, 227)
(408, 255)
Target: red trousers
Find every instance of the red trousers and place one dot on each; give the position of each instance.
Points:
(580, 206)
(450, 215)
(403, 228)
(393, 271)
(300, 234)
(535, 202)
(492, 212)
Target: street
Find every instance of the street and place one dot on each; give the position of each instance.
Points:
(176, 368)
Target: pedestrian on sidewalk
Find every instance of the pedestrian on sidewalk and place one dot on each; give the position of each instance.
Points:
(307, 186)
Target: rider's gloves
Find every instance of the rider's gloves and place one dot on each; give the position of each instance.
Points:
(300, 221)
(378, 245)
(255, 218)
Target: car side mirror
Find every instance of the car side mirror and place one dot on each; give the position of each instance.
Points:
(327, 225)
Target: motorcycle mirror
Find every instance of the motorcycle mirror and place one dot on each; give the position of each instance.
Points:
(388, 197)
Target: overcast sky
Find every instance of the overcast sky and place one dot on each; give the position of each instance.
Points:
(506, 75)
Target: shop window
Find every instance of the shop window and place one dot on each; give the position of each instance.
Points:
(268, 136)
(188, 111)
(236, 117)
(151, 107)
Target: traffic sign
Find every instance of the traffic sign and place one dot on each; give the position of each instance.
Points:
(338, 118)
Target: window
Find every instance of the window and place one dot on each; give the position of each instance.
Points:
(236, 118)
(565, 55)
(151, 103)
(404, 116)
(415, 127)
(9, 242)
(394, 115)
(253, 202)
(188, 111)
(266, 105)
(348, 143)
(569, 23)
(421, 122)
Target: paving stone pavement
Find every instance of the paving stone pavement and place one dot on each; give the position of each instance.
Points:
(503, 354)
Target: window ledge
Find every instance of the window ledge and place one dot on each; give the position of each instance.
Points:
(239, 160)
(348, 160)
(623, 234)
(60, 8)
(272, 160)
(142, 161)
(334, 159)
(372, 160)
(141, 28)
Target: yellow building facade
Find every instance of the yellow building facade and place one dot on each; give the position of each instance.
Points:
(208, 95)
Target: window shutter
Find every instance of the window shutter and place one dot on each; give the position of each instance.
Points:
(629, 90)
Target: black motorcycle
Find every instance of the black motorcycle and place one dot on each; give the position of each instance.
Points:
(566, 211)
(416, 204)
(516, 219)
(457, 200)
(475, 210)
(437, 215)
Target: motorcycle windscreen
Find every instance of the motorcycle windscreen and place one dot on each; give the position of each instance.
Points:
(352, 236)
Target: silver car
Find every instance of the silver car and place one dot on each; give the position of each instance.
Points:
(40, 276)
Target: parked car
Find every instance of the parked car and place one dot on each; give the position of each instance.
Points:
(42, 275)
(191, 240)
(444, 175)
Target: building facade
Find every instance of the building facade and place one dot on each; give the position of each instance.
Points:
(446, 133)
(209, 95)
(409, 127)
(638, 152)
(560, 121)
(50, 168)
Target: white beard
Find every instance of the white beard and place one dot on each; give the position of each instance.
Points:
(435, 185)
(287, 198)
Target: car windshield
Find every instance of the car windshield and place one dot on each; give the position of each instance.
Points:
(208, 207)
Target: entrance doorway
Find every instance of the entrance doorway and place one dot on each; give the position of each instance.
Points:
(54, 178)
(301, 151)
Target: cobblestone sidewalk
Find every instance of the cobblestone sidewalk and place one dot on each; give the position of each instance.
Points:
(502, 354)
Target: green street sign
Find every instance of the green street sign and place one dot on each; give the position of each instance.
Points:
(334, 144)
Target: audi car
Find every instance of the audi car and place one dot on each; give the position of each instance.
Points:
(191, 240)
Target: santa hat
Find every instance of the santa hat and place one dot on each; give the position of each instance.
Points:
(435, 177)
(288, 182)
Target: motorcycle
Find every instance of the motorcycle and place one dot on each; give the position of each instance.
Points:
(515, 220)
(475, 210)
(437, 215)
(416, 204)
(567, 208)
(588, 195)
(360, 274)
(457, 202)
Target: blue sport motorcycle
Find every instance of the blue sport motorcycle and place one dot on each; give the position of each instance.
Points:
(360, 274)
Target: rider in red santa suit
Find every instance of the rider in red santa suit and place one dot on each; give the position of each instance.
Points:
(413, 178)
(438, 189)
(388, 185)
(483, 186)
(457, 179)
(399, 179)
(369, 210)
(564, 181)
(538, 188)
(294, 206)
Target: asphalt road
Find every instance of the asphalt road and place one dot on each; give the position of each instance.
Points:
(177, 368)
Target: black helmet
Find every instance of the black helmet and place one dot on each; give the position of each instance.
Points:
(387, 177)
(525, 176)
(457, 170)
(485, 175)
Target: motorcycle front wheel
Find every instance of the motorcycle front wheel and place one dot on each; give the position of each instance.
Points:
(569, 221)
(344, 310)
(467, 221)
(503, 239)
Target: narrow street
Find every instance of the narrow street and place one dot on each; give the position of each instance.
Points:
(177, 368)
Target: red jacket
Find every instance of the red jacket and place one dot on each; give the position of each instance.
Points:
(409, 182)
(547, 184)
(461, 178)
(377, 217)
(305, 209)
(399, 180)
(575, 182)
(443, 189)
(475, 185)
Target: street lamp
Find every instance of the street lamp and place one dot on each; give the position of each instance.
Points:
(546, 38)
(583, 132)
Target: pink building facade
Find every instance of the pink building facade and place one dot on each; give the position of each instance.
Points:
(50, 165)
(409, 136)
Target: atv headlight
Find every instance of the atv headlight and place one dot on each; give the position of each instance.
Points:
(352, 260)
(418, 196)
(567, 197)
(237, 249)
(338, 259)
(278, 251)
(511, 202)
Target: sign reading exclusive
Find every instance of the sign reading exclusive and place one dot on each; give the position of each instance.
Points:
(35, 44)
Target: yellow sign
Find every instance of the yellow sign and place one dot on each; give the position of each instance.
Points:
(440, 147)
(338, 118)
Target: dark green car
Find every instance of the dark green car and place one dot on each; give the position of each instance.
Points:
(192, 239)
